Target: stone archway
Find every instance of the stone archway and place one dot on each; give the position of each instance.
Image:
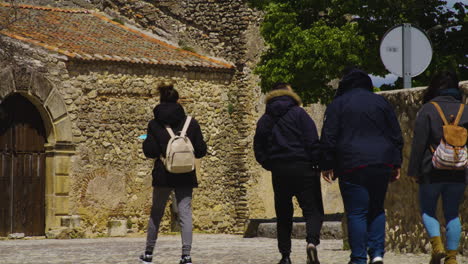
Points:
(59, 146)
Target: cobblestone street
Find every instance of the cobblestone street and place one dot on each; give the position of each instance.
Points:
(208, 249)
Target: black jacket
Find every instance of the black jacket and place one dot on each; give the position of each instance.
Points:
(285, 132)
(360, 128)
(155, 144)
(428, 132)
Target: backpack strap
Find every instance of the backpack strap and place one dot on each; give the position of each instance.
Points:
(441, 113)
(186, 125)
(169, 130)
(459, 115)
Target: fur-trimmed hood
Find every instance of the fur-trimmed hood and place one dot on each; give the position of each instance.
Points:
(282, 92)
(279, 102)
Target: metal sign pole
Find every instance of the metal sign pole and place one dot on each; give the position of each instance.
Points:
(406, 55)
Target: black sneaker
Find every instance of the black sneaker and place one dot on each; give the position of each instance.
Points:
(185, 260)
(146, 258)
(312, 257)
(285, 260)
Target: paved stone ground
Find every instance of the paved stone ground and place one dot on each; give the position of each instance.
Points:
(208, 249)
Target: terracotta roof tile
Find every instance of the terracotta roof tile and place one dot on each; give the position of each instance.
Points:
(89, 35)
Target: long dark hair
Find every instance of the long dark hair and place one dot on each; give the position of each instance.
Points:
(167, 94)
(441, 81)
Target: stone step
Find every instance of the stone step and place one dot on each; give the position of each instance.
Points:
(331, 229)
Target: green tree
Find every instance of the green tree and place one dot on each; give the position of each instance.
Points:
(311, 41)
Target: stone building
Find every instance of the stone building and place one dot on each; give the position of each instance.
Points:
(78, 91)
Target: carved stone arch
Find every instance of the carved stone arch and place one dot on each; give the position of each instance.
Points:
(41, 92)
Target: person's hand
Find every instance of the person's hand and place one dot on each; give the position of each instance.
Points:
(328, 176)
(395, 175)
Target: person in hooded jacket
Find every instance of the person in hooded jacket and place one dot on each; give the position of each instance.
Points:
(435, 183)
(286, 143)
(361, 144)
(169, 112)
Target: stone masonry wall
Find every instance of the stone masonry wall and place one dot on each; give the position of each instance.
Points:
(109, 106)
(216, 28)
(111, 178)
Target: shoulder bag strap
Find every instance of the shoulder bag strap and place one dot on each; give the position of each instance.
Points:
(441, 113)
(459, 115)
(186, 125)
(169, 130)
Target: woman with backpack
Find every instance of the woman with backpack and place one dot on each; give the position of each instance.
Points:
(165, 134)
(438, 161)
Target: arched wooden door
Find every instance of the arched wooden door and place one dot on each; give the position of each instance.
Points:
(22, 168)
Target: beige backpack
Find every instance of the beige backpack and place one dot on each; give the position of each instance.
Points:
(180, 157)
(451, 154)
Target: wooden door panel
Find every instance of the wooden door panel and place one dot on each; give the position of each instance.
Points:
(5, 193)
(22, 161)
(6, 140)
(39, 168)
(28, 195)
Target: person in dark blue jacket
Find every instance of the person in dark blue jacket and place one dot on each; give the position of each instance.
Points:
(286, 143)
(361, 144)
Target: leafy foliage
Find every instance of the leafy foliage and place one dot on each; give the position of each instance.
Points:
(311, 41)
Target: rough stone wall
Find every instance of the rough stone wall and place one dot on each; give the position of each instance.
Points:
(216, 28)
(405, 230)
(111, 178)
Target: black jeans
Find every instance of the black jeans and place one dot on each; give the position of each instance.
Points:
(298, 179)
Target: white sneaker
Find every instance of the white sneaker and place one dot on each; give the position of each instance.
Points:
(377, 260)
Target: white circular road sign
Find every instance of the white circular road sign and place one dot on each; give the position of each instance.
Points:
(406, 44)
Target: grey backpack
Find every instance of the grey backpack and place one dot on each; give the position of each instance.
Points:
(180, 157)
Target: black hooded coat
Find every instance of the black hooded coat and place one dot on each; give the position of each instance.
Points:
(360, 127)
(285, 132)
(155, 144)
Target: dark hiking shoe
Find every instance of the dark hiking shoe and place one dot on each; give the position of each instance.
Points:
(285, 260)
(146, 258)
(185, 260)
(312, 257)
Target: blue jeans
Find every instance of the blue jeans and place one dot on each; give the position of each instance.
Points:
(452, 195)
(363, 193)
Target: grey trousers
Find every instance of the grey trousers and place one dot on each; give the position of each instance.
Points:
(184, 204)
